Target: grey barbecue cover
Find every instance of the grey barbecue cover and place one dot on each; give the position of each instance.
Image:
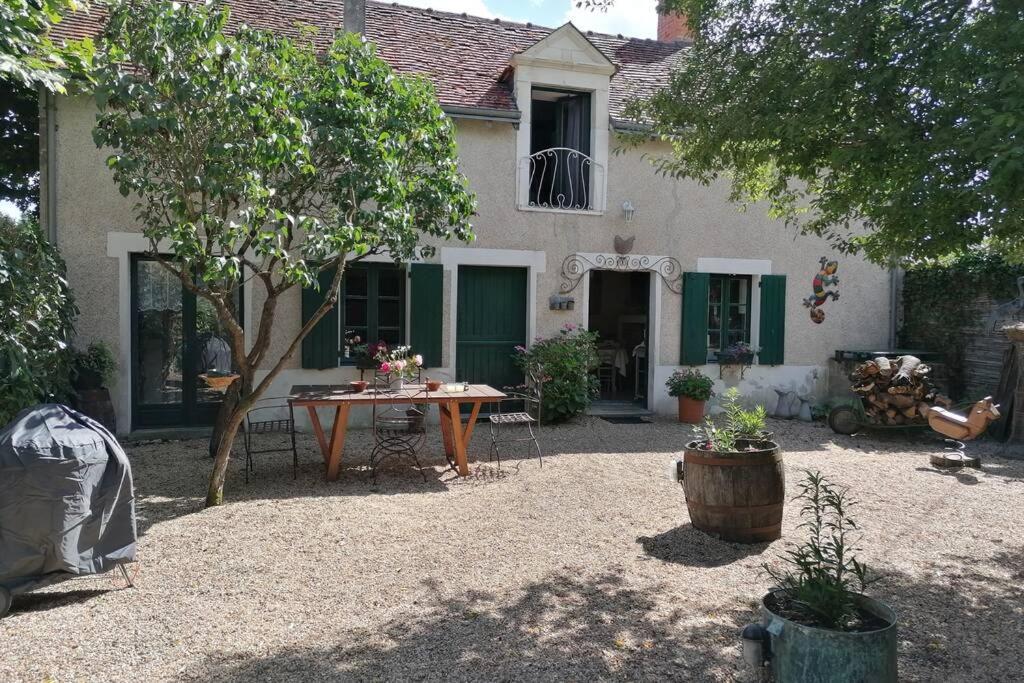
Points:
(67, 506)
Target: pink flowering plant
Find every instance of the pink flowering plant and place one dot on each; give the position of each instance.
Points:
(399, 362)
(565, 365)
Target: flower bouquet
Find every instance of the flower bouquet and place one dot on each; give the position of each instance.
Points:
(399, 363)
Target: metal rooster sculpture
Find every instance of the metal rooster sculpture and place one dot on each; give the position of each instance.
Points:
(959, 428)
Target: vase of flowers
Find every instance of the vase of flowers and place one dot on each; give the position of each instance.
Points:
(693, 388)
(399, 363)
(352, 343)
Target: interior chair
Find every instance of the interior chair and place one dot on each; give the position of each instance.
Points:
(264, 418)
(399, 429)
(517, 419)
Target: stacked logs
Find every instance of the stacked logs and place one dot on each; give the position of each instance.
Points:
(896, 392)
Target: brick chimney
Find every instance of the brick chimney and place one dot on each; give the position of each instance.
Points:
(355, 16)
(672, 26)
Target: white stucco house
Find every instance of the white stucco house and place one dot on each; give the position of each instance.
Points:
(668, 272)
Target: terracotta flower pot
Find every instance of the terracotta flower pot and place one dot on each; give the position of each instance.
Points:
(691, 411)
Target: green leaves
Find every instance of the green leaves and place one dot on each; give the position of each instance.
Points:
(28, 57)
(259, 147)
(892, 128)
(37, 315)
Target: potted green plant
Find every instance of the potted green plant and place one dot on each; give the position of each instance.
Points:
(750, 424)
(821, 625)
(693, 389)
(733, 477)
(91, 370)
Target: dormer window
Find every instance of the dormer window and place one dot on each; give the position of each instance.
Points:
(560, 164)
(561, 85)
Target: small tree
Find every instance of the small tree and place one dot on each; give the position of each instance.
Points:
(37, 314)
(258, 159)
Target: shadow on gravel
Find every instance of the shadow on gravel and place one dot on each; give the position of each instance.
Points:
(562, 628)
(693, 548)
(960, 619)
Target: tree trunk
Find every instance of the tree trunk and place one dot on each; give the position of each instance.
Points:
(227, 407)
(215, 494)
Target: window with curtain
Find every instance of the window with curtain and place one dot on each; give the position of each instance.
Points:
(728, 312)
(560, 132)
(372, 306)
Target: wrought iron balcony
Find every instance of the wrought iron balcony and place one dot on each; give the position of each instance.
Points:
(563, 179)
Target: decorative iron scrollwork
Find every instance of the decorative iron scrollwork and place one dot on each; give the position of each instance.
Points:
(575, 266)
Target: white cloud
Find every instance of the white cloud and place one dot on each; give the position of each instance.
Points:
(631, 18)
(477, 8)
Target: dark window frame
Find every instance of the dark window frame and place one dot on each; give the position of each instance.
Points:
(371, 332)
(725, 281)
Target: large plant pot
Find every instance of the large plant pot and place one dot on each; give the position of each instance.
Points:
(96, 404)
(87, 380)
(809, 654)
(691, 411)
(736, 495)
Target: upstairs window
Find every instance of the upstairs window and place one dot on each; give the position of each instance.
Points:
(561, 168)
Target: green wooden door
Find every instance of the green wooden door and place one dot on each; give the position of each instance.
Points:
(491, 323)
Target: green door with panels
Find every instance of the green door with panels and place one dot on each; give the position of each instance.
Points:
(491, 323)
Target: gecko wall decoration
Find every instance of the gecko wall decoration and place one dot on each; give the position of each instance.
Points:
(826, 277)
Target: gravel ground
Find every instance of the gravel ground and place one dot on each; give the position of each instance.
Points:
(584, 569)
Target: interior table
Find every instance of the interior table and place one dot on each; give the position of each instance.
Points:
(342, 398)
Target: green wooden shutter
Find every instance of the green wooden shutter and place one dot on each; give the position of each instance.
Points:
(694, 342)
(320, 347)
(773, 320)
(426, 293)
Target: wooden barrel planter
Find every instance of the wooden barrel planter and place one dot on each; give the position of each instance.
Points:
(738, 495)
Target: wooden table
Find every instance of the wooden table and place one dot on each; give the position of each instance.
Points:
(342, 399)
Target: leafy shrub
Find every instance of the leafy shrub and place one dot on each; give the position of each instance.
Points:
(739, 424)
(691, 384)
(97, 360)
(824, 577)
(745, 423)
(565, 365)
(37, 315)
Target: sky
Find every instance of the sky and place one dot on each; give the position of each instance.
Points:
(633, 18)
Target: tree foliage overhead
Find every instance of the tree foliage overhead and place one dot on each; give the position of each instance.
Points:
(907, 115)
(37, 315)
(27, 55)
(257, 158)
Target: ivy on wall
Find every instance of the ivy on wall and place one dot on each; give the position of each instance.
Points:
(940, 304)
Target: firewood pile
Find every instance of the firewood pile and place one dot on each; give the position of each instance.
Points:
(896, 392)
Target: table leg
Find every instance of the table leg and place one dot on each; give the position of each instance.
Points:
(318, 429)
(446, 430)
(337, 441)
(461, 461)
(472, 423)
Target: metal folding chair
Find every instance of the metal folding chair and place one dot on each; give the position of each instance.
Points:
(262, 419)
(399, 429)
(517, 419)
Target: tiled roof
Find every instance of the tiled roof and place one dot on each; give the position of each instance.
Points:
(463, 55)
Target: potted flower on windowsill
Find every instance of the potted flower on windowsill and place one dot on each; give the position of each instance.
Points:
(693, 389)
(740, 354)
(366, 355)
(820, 624)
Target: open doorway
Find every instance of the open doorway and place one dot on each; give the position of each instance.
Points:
(619, 313)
